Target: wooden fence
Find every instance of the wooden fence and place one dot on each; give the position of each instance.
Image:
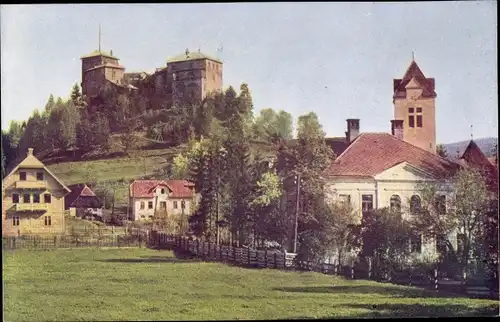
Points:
(77, 241)
(246, 257)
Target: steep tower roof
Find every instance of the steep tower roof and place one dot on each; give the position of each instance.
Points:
(473, 157)
(414, 72)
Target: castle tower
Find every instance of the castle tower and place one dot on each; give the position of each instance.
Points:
(414, 102)
(99, 68)
(192, 76)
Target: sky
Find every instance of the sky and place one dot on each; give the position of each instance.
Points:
(335, 59)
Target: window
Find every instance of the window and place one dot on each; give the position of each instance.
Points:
(15, 198)
(142, 205)
(419, 120)
(150, 205)
(47, 198)
(366, 203)
(36, 198)
(163, 204)
(419, 110)
(15, 221)
(415, 204)
(440, 244)
(183, 204)
(162, 191)
(411, 121)
(175, 204)
(440, 204)
(22, 176)
(411, 110)
(395, 203)
(26, 198)
(48, 220)
(39, 176)
(416, 244)
(345, 199)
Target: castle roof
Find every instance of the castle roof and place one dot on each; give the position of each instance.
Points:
(108, 65)
(97, 53)
(414, 72)
(191, 56)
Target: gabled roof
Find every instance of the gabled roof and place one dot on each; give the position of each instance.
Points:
(414, 72)
(191, 56)
(31, 162)
(145, 188)
(97, 53)
(473, 157)
(372, 153)
(81, 196)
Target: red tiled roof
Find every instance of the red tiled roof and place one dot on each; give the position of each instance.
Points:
(144, 188)
(413, 70)
(372, 153)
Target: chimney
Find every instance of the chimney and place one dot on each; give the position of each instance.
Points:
(397, 128)
(352, 129)
(111, 52)
(30, 151)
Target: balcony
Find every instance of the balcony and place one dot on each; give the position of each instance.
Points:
(41, 184)
(31, 207)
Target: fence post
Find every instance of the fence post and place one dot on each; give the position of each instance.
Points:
(352, 271)
(55, 241)
(436, 279)
(369, 268)
(409, 276)
(265, 258)
(234, 254)
(248, 256)
(197, 247)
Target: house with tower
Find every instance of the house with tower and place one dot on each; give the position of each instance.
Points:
(378, 170)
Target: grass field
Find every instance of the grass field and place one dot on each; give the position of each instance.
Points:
(144, 284)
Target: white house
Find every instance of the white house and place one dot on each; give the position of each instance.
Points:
(148, 196)
(379, 170)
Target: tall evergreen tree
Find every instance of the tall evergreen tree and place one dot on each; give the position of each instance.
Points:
(75, 94)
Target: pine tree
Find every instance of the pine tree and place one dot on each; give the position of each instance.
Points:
(68, 124)
(75, 94)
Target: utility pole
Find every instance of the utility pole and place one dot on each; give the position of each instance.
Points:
(217, 215)
(183, 205)
(297, 214)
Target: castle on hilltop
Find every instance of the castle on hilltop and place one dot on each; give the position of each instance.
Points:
(191, 75)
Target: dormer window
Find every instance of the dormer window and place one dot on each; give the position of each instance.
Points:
(22, 176)
(162, 191)
(39, 176)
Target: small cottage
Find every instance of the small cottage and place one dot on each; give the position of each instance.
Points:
(83, 203)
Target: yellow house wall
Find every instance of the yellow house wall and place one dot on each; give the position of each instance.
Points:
(32, 223)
